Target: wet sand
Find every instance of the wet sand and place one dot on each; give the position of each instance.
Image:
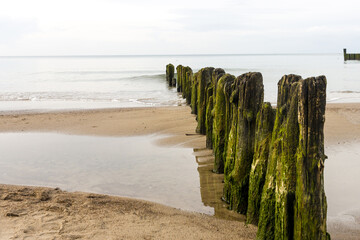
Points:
(342, 141)
(43, 213)
(174, 121)
(63, 215)
(341, 128)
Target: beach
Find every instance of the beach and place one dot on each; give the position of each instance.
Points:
(179, 120)
(43, 213)
(61, 214)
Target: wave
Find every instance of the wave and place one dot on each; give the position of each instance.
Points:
(116, 79)
(98, 72)
(148, 98)
(154, 76)
(243, 70)
(346, 91)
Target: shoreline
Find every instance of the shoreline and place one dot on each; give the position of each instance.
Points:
(340, 122)
(172, 121)
(341, 127)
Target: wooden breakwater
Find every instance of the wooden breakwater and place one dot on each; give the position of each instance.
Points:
(272, 159)
(351, 56)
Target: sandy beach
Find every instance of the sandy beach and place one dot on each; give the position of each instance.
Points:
(43, 213)
(48, 213)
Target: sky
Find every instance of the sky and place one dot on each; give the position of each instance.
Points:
(139, 27)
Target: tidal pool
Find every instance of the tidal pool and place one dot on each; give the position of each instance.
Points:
(124, 166)
(175, 176)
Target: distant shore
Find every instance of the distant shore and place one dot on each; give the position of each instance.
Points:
(59, 213)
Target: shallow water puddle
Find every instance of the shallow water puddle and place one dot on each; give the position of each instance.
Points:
(342, 178)
(175, 176)
(125, 166)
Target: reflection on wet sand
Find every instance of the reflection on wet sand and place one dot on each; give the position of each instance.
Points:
(124, 166)
(211, 186)
(342, 189)
(341, 185)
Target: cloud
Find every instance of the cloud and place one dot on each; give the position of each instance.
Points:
(42, 27)
(16, 29)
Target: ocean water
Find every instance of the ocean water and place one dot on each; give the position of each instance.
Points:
(82, 82)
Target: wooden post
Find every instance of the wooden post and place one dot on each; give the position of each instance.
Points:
(170, 75)
(220, 122)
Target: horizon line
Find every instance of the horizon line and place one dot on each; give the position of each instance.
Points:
(163, 55)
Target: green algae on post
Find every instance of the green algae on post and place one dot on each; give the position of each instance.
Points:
(188, 80)
(251, 95)
(231, 145)
(183, 81)
(293, 204)
(272, 160)
(219, 125)
(286, 164)
(204, 78)
(179, 78)
(209, 117)
(184, 75)
(275, 194)
(194, 86)
(311, 206)
(217, 74)
(170, 75)
(264, 126)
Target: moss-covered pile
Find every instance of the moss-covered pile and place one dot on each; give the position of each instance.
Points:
(170, 75)
(272, 159)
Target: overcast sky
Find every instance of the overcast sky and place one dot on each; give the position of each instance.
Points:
(101, 27)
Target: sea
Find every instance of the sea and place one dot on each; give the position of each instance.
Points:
(89, 82)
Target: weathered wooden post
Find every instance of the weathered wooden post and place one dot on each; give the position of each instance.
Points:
(194, 89)
(220, 122)
(204, 78)
(286, 164)
(232, 138)
(264, 126)
(251, 95)
(209, 117)
(183, 81)
(170, 75)
(277, 203)
(188, 81)
(217, 74)
(311, 206)
(210, 112)
(293, 203)
(179, 78)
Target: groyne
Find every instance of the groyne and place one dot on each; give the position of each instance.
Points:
(272, 158)
(351, 56)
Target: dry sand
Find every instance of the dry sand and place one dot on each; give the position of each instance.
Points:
(42, 213)
(342, 123)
